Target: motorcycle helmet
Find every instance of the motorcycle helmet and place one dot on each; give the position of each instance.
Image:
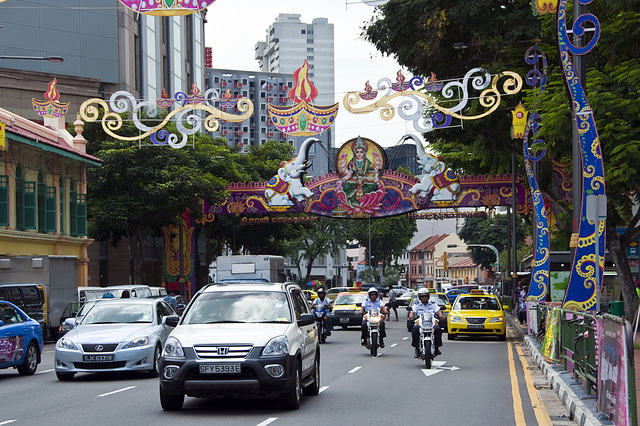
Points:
(321, 290)
(372, 290)
(423, 291)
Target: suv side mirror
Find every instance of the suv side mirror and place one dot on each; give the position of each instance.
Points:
(305, 319)
(172, 320)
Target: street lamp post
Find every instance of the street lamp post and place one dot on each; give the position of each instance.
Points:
(495, 250)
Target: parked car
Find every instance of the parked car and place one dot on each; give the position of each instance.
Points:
(346, 309)
(239, 339)
(20, 340)
(116, 335)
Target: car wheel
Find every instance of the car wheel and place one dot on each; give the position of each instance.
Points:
(30, 363)
(171, 402)
(451, 336)
(314, 388)
(155, 370)
(291, 399)
(65, 377)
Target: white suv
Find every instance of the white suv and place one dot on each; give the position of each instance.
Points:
(238, 339)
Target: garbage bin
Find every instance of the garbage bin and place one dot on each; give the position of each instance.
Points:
(616, 308)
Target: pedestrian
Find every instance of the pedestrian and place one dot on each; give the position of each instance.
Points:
(522, 314)
(392, 303)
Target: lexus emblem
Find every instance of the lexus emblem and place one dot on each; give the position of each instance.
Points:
(99, 348)
(223, 351)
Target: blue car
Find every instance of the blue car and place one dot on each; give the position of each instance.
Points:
(20, 340)
(453, 293)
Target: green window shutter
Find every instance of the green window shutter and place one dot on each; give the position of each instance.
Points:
(4, 200)
(72, 214)
(50, 209)
(40, 206)
(81, 215)
(62, 207)
(29, 205)
(19, 204)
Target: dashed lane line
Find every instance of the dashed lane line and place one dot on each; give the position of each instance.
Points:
(323, 388)
(117, 391)
(353, 370)
(45, 371)
(266, 422)
(6, 422)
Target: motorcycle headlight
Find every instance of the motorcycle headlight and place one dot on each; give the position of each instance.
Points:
(455, 318)
(66, 344)
(173, 348)
(497, 319)
(277, 346)
(135, 343)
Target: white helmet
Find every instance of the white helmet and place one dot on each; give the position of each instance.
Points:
(422, 291)
(372, 290)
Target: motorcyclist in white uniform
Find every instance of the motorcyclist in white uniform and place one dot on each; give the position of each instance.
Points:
(425, 304)
(322, 301)
(372, 302)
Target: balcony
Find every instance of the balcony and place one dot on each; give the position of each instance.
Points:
(237, 86)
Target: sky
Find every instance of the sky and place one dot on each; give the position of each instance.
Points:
(234, 27)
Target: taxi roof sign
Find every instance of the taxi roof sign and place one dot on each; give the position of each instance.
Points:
(476, 291)
(432, 290)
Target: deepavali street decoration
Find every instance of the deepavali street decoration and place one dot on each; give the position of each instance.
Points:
(539, 287)
(178, 242)
(545, 6)
(586, 272)
(303, 118)
(426, 110)
(181, 109)
(362, 187)
(167, 7)
(51, 107)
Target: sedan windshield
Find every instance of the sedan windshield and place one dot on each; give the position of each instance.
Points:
(239, 307)
(349, 299)
(490, 303)
(110, 313)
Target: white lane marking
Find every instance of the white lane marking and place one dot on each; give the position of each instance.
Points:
(45, 371)
(354, 369)
(405, 338)
(394, 345)
(266, 422)
(117, 391)
(430, 372)
(323, 388)
(6, 422)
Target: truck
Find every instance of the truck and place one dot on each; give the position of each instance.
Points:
(268, 268)
(57, 276)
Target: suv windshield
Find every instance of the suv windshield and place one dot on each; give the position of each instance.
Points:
(245, 307)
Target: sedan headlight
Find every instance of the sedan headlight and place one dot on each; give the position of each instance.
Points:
(66, 344)
(173, 348)
(277, 346)
(455, 318)
(136, 343)
(497, 319)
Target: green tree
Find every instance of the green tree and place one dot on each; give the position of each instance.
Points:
(421, 34)
(389, 238)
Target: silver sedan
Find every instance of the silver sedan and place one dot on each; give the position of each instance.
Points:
(115, 335)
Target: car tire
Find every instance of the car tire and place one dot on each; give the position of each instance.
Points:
(171, 402)
(451, 336)
(314, 388)
(291, 399)
(155, 370)
(30, 363)
(65, 377)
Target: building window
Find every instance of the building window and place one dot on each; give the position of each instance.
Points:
(4, 200)
(62, 206)
(303, 31)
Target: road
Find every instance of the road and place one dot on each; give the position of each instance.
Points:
(476, 381)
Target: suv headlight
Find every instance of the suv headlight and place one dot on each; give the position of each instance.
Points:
(277, 346)
(135, 343)
(497, 319)
(173, 348)
(454, 318)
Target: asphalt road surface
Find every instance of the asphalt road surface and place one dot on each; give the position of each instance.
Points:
(476, 381)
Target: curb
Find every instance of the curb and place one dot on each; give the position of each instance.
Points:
(571, 393)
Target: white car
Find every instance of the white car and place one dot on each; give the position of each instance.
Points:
(116, 335)
(242, 339)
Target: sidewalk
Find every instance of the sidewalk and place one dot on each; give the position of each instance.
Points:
(580, 406)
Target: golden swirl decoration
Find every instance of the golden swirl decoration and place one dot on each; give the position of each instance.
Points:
(587, 241)
(595, 148)
(585, 266)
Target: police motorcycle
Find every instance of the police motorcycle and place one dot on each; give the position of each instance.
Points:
(374, 320)
(427, 347)
(321, 313)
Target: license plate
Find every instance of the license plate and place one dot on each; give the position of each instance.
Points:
(476, 326)
(219, 368)
(344, 319)
(97, 358)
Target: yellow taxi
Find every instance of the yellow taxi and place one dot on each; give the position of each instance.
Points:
(310, 295)
(477, 314)
(441, 299)
(346, 309)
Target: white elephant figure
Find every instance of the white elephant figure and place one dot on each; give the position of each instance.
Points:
(436, 180)
(287, 185)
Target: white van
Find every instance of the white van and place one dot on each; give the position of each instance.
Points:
(90, 293)
(125, 291)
